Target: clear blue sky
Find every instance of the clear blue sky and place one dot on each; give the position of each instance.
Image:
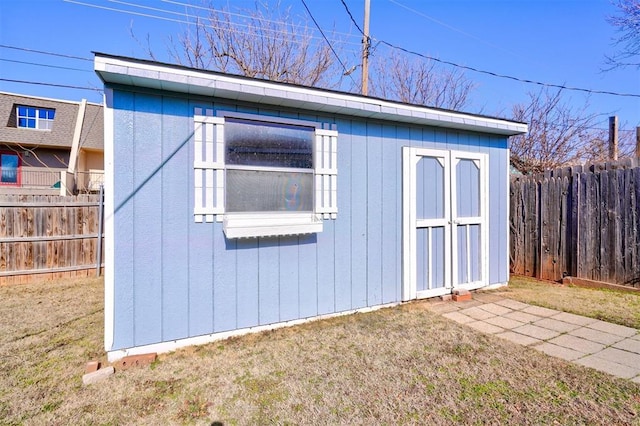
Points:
(554, 41)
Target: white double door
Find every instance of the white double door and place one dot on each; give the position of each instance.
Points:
(445, 236)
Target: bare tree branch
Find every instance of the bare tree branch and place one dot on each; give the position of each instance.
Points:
(269, 44)
(628, 24)
(559, 135)
(420, 82)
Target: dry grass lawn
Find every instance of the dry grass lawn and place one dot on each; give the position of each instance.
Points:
(608, 305)
(404, 365)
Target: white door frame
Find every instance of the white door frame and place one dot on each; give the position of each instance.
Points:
(448, 159)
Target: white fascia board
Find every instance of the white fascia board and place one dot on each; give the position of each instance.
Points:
(153, 75)
(389, 110)
(295, 96)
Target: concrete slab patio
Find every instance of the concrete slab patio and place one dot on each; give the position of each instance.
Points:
(611, 348)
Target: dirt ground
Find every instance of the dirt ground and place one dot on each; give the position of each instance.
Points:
(402, 365)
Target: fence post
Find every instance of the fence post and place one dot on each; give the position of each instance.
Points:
(575, 231)
(100, 215)
(613, 138)
(638, 142)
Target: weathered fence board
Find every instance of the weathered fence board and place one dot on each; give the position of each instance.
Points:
(46, 236)
(578, 221)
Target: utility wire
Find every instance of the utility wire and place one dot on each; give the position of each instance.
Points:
(39, 83)
(491, 73)
(44, 65)
(351, 17)
(226, 12)
(186, 15)
(509, 77)
(4, 46)
(444, 24)
(328, 42)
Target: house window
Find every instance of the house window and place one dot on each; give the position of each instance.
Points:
(9, 169)
(35, 118)
(264, 176)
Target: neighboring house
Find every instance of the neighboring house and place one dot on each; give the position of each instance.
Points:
(50, 146)
(235, 204)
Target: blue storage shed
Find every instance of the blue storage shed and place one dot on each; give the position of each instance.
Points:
(235, 204)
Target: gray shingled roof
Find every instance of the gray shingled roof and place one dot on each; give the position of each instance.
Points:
(61, 134)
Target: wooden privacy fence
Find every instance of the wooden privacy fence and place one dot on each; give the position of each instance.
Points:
(580, 221)
(48, 236)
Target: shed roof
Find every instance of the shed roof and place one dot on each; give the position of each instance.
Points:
(126, 71)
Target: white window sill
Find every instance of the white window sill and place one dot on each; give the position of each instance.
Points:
(249, 225)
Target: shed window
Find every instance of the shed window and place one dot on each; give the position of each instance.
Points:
(256, 143)
(35, 118)
(262, 176)
(269, 166)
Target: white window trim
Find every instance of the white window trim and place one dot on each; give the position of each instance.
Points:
(39, 121)
(209, 174)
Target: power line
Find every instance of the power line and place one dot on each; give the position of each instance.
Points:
(44, 65)
(328, 42)
(39, 83)
(522, 80)
(452, 28)
(188, 22)
(127, 11)
(226, 12)
(45, 52)
(351, 17)
(491, 73)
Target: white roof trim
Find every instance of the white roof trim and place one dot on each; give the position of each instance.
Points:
(133, 72)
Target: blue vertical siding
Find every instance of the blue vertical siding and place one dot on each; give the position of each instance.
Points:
(308, 285)
(474, 243)
(422, 264)
(176, 215)
(268, 280)
(499, 211)
(358, 202)
(175, 278)
(225, 289)
(373, 211)
(437, 260)
(461, 235)
(246, 264)
(391, 219)
(199, 283)
(467, 188)
(326, 269)
(123, 327)
(342, 227)
(289, 279)
(147, 182)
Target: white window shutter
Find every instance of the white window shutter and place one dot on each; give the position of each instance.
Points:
(208, 165)
(326, 173)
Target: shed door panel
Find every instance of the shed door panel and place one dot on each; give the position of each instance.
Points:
(443, 221)
(469, 216)
(432, 223)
